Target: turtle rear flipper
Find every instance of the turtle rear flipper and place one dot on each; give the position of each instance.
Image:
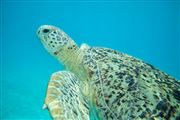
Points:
(64, 99)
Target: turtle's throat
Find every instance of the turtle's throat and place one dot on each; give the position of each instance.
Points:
(70, 58)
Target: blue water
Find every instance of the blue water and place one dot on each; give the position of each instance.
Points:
(145, 29)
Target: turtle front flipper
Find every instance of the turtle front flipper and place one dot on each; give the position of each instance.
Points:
(64, 99)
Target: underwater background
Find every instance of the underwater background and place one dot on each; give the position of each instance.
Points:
(148, 30)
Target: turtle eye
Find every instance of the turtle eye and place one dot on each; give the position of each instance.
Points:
(45, 30)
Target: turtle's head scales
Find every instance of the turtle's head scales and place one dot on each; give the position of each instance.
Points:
(53, 38)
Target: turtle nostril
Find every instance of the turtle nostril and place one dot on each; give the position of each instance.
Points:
(38, 32)
(45, 30)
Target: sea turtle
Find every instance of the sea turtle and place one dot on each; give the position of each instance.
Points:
(104, 84)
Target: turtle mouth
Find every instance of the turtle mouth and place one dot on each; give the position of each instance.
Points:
(57, 51)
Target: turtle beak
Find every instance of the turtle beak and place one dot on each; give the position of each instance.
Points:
(38, 32)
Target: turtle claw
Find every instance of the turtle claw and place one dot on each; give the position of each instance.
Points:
(44, 106)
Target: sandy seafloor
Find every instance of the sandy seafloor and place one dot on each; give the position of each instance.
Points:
(148, 30)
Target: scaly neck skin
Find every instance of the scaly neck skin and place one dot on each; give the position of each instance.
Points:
(70, 58)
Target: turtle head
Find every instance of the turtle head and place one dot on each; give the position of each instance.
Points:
(54, 39)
